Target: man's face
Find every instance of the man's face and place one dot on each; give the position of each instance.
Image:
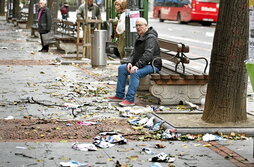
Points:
(42, 4)
(89, 2)
(141, 28)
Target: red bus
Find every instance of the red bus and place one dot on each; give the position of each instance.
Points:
(183, 11)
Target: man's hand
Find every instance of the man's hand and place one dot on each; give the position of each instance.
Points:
(129, 66)
(134, 69)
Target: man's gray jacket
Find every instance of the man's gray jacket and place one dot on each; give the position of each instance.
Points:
(94, 8)
(146, 49)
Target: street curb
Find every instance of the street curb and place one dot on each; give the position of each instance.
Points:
(202, 130)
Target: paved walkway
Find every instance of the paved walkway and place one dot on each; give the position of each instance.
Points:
(26, 73)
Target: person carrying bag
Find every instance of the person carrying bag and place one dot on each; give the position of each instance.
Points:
(44, 25)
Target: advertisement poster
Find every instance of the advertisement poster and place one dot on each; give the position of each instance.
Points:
(251, 29)
(134, 15)
(250, 62)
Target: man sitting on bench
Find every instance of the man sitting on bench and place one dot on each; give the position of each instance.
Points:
(146, 49)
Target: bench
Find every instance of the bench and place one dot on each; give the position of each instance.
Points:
(22, 21)
(176, 83)
(65, 34)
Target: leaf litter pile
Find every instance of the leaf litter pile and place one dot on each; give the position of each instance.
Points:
(54, 130)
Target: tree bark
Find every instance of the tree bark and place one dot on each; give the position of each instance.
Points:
(16, 9)
(227, 84)
(2, 6)
(30, 14)
(53, 7)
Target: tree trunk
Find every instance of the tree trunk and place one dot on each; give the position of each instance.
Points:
(30, 15)
(16, 9)
(227, 84)
(2, 6)
(53, 7)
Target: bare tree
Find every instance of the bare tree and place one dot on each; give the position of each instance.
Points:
(2, 6)
(227, 84)
(16, 9)
(30, 14)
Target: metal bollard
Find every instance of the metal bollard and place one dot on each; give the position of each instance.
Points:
(98, 58)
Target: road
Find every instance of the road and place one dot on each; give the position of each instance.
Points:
(198, 37)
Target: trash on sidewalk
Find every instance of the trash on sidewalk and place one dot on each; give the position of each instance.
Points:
(84, 147)
(86, 123)
(157, 126)
(148, 150)
(9, 117)
(192, 106)
(149, 123)
(170, 134)
(138, 121)
(109, 141)
(211, 137)
(162, 157)
(72, 164)
(156, 164)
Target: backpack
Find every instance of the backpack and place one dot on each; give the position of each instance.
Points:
(64, 10)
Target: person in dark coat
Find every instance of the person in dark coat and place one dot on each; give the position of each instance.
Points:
(145, 60)
(44, 23)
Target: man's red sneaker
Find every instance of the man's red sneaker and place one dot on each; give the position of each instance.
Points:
(126, 103)
(115, 99)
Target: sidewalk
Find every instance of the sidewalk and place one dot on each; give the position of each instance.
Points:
(28, 75)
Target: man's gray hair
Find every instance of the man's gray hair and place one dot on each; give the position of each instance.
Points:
(43, 1)
(142, 20)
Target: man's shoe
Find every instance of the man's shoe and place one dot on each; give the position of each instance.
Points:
(43, 50)
(115, 99)
(126, 103)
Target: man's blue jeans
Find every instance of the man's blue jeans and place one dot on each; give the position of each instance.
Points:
(133, 83)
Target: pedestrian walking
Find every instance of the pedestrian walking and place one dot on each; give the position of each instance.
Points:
(144, 60)
(44, 23)
(65, 11)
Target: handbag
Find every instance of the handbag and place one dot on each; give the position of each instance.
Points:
(48, 38)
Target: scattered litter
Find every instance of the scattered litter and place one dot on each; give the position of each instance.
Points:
(72, 164)
(148, 150)
(149, 123)
(157, 126)
(101, 143)
(192, 106)
(71, 106)
(156, 164)
(108, 133)
(86, 123)
(159, 145)
(211, 137)
(157, 108)
(23, 155)
(9, 117)
(138, 121)
(84, 147)
(170, 134)
(19, 147)
(116, 139)
(109, 141)
(162, 157)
